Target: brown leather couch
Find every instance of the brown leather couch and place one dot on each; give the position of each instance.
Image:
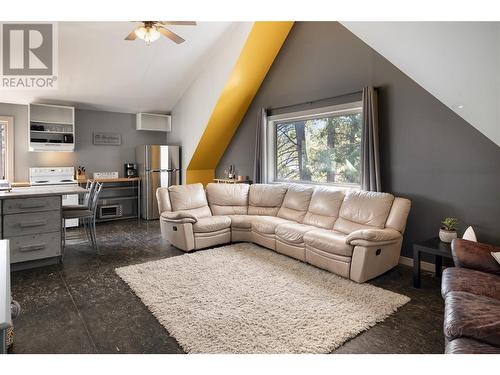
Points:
(471, 291)
(355, 234)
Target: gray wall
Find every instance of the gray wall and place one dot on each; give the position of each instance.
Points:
(429, 154)
(95, 158)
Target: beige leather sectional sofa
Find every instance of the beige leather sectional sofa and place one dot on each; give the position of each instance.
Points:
(355, 234)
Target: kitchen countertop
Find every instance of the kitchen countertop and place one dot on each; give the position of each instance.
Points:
(20, 192)
(120, 179)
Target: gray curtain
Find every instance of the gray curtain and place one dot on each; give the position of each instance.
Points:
(370, 156)
(258, 166)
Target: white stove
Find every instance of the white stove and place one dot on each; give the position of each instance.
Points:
(42, 176)
(52, 176)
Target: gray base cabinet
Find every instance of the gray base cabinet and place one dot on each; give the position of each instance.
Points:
(33, 226)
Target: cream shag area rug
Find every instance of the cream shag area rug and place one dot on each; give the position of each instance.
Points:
(243, 298)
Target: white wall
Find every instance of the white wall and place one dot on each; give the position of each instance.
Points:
(191, 113)
(457, 62)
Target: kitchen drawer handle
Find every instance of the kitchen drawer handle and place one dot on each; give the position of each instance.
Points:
(32, 205)
(32, 247)
(33, 224)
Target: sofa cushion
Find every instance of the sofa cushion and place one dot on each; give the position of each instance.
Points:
(457, 279)
(465, 345)
(178, 217)
(296, 202)
(228, 199)
(329, 241)
(473, 316)
(363, 210)
(265, 199)
(399, 214)
(163, 199)
(211, 224)
(293, 232)
(242, 221)
(475, 255)
(267, 224)
(324, 207)
(190, 198)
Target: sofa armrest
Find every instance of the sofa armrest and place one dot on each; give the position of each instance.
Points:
(475, 255)
(179, 217)
(368, 237)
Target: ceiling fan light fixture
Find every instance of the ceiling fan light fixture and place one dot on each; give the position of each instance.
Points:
(150, 31)
(147, 33)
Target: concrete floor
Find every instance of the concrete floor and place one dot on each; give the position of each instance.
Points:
(82, 306)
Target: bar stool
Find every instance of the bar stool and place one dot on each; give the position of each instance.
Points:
(87, 215)
(86, 198)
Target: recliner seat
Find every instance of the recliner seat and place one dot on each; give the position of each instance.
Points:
(355, 234)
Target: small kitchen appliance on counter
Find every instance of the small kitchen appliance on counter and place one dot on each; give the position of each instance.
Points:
(105, 175)
(130, 170)
(5, 185)
(43, 176)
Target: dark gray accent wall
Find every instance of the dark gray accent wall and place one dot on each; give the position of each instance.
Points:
(428, 153)
(95, 158)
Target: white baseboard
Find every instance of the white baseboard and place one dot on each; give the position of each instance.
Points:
(424, 266)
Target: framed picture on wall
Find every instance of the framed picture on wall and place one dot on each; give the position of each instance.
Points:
(107, 139)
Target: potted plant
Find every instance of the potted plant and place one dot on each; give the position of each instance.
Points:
(448, 230)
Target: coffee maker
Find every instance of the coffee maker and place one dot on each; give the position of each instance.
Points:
(130, 170)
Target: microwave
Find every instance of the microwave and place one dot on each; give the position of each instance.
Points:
(109, 211)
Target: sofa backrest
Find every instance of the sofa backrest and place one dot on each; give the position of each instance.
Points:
(228, 199)
(189, 198)
(265, 199)
(163, 200)
(363, 210)
(296, 202)
(324, 207)
(398, 214)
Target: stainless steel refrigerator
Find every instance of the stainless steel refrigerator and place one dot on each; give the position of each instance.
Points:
(158, 166)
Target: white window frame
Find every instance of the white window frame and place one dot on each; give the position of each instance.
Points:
(9, 137)
(270, 138)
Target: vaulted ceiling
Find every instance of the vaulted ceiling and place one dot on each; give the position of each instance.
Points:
(98, 69)
(457, 62)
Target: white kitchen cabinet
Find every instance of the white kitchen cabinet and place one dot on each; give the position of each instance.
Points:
(153, 122)
(51, 127)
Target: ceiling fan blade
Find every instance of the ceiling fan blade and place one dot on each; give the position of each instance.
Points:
(172, 36)
(179, 23)
(131, 36)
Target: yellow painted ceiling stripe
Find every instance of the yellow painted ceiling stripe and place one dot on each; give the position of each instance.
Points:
(261, 48)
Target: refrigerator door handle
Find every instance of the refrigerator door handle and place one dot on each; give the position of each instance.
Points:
(159, 166)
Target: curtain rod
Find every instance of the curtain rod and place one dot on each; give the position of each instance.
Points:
(314, 101)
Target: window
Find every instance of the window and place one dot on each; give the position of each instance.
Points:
(6, 148)
(322, 146)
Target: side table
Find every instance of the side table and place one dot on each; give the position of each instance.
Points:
(432, 246)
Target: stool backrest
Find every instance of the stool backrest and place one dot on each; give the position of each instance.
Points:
(95, 197)
(87, 198)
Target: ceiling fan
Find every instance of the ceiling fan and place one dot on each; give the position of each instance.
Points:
(150, 31)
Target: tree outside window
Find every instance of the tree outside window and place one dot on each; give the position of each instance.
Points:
(325, 149)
